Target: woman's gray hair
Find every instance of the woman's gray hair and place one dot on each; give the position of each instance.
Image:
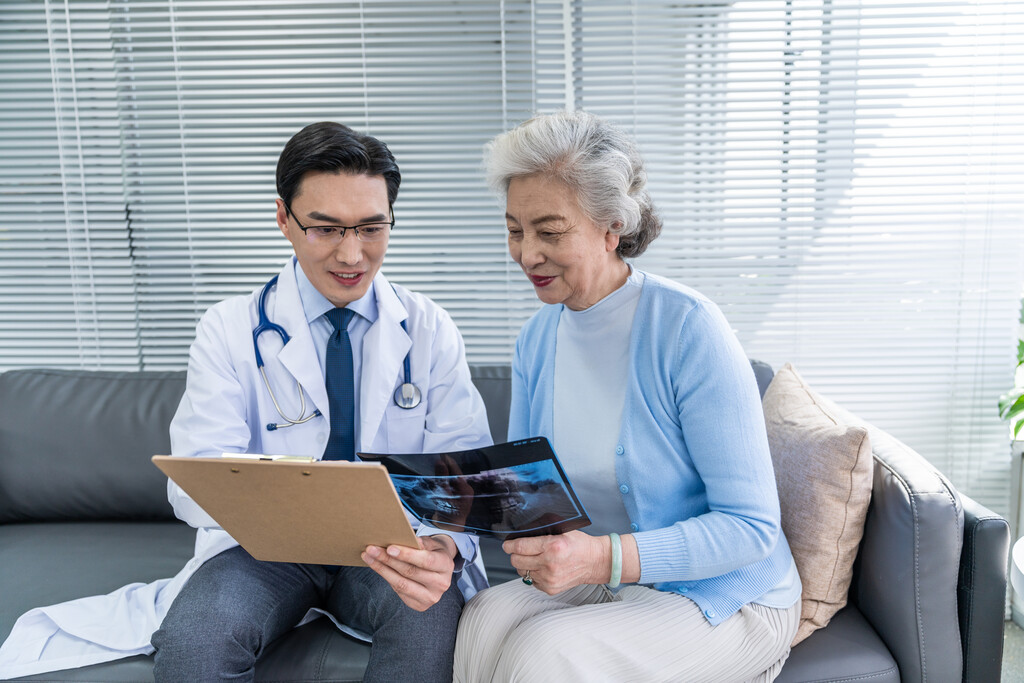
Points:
(597, 161)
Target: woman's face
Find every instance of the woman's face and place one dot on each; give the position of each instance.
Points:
(568, 258)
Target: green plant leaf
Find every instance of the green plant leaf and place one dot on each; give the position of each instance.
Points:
(1020, 351)
(1016, 414)
(1018, 429)
(1011, 404)
(1016, 418)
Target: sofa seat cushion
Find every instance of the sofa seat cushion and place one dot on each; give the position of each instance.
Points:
(823, 469)
(316, 651)
(847, 650)
(46, 563)
(138, 669)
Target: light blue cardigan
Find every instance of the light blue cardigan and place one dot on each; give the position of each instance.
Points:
(692, 462)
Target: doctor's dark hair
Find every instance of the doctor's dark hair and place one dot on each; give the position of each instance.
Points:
(334, 148)
(598, 162)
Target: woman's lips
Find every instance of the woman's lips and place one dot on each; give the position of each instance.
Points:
(541, 280)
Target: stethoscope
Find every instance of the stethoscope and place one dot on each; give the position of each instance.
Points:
(407, 396)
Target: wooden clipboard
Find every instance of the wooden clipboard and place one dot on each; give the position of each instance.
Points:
(306, 512)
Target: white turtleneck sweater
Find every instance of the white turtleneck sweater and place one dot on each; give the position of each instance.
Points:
(592, 367)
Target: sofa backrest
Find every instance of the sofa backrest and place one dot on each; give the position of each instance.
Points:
(493, 381)
(75, 444)
(763, 373)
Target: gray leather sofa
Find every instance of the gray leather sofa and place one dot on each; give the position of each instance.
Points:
(83, 511)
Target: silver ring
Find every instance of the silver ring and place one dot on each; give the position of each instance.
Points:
(526, 579)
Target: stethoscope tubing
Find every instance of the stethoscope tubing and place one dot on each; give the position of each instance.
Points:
(407, 396)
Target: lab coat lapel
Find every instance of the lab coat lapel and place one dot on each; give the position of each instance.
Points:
(384, 349)
(299, 356)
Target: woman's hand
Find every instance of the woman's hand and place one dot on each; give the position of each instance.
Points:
(419, 576)
(558, 563)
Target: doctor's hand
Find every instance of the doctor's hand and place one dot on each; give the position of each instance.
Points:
(560, 562)
(419, 576)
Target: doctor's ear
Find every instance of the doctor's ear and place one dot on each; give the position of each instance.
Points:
(282, 217)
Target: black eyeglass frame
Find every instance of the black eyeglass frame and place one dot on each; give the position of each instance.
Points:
(342, 228)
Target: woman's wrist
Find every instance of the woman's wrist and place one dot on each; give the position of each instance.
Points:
(602, 562)
(630, 559)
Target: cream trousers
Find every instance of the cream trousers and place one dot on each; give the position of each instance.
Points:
(514, 632)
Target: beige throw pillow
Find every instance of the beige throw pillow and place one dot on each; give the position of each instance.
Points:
(823, 467)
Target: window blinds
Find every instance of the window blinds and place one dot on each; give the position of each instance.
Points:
(66, 285)
(843, 177)
(211, 91)
(846, 180)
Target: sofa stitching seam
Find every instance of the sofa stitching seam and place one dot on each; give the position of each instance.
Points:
(917, 587)
(968, 625)
(323, 658)
(864, 677)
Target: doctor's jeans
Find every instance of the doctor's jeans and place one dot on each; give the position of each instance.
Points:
(234, 606)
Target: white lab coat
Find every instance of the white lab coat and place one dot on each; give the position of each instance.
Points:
(226, 408)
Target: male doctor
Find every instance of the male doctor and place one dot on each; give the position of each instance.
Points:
(327, 392)
(336, 191)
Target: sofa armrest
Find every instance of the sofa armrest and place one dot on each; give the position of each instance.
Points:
(908, 563)
(981, 592)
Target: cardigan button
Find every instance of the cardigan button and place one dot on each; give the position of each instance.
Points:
(634, 527)
(710, 614)
(619, 450)
(624, 488)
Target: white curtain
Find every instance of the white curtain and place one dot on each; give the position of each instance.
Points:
(844, 177)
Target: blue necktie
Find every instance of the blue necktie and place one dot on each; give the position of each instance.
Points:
(341, 444)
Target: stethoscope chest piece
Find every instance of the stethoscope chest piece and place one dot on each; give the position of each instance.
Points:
(407, 396)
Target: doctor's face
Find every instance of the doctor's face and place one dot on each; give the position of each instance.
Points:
(340, 270)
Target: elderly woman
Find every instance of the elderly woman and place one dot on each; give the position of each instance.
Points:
(654, 412)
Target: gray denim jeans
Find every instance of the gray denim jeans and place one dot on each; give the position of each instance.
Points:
(234, 606)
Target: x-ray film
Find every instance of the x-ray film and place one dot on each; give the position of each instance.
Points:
(507, 490)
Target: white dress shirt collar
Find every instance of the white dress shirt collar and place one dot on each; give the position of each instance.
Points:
(315, 304)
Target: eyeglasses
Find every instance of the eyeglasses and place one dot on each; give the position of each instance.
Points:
(374, 231)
